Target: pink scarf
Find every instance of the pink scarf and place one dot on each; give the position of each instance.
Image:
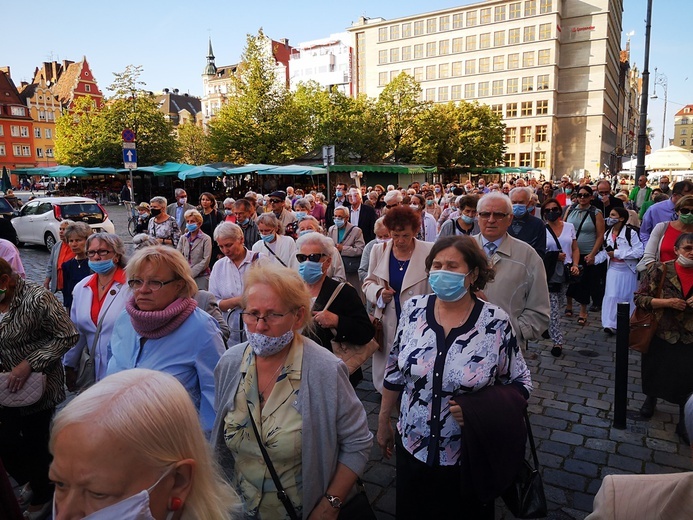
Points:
(157, 324)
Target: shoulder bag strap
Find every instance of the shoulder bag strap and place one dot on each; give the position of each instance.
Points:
(345, 234)
(582, 222)
(334, 295)
(558, 245)
(274, 254)
(530, 437)
(281, 494)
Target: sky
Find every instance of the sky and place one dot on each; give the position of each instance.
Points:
(169, 39)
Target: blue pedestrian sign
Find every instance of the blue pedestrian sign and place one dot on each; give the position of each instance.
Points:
(130, 156)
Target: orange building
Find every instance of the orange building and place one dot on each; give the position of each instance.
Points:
(16, 128)
(44, 109)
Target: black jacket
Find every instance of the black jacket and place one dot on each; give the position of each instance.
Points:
(613, 203)
(530, 230)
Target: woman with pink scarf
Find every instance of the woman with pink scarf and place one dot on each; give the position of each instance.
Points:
(162, 328)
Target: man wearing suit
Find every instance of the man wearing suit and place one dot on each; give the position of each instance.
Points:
(361, 216)
(340, 196)
(177, 209)
(525, 226)
(667, 497)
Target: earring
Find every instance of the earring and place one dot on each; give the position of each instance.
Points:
(176, 504)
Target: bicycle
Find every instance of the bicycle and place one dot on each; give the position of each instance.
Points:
(132, 217)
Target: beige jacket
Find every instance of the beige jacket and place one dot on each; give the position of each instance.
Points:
(520, 287)
(353, 243)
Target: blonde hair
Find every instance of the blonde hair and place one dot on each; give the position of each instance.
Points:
(286, 283)
(164, 255)
(151, 412)
(193, 213)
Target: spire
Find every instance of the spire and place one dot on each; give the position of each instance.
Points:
(211, 68)
(210, 53)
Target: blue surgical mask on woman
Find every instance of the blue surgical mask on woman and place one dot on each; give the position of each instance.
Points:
(191, 227)
(447, 285)
(267, 238)
(611, 221)
(467, 219)
(339, 222)
(311, 272)
(305, 232)
(300, 215)
(228, 212)
(519, 210)
(101, 266)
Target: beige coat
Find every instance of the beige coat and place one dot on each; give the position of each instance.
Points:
(353, 243)
(415, 284)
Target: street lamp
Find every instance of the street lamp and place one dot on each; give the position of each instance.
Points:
(661, 79)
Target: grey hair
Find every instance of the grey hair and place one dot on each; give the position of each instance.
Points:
(251, 194)
(380, 224)
(343, 208)
(269, 219)
(304, 203)
(81, 229)
(326, 244)
(688, 417)
(178, 192)
(193, 213)
(521, 189)
(159, 200)
(392, 195)
(143, 240)
(114, 241)
(228, 230)
(490, 197)
(314, 221)
(228, 200)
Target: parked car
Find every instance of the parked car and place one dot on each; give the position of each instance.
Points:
(7, 212)
(38, 220)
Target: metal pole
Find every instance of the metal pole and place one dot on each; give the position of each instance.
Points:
(621, 375)
(664, 117)
(642, 134)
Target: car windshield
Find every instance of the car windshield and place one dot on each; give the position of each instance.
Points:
(88, 211)
(5, 206)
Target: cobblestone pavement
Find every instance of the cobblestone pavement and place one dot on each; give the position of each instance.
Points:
(571, 411)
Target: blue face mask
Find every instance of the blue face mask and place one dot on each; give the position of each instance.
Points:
(339, 194)
(467, 219)
(311, 272)
(101, 266)
(519, 210)
(300, 215)
(191, 227)
(267, 238)
(228, 212)
(447, 285)
(244, 223)
(304, 232)
(610, 221)
(339, 222)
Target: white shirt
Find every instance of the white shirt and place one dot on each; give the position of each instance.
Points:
(283, 247)
(565, 239)
(354, 215)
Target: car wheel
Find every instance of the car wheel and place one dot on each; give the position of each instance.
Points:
(49, 240)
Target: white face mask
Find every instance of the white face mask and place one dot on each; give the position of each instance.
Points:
(382, 240)
(684, 261)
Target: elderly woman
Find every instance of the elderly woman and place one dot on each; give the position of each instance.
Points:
(345, 320)
(278, 248)
(143, 217)
(336, 269)
(392, 199)
(348, 240)
(316, 210)
(432, 206)
(227, 279)
(35, 332)
(162, 324)
(660, 246)
(228, 210)
(211, 218)
(302, 209)
(382, 236)
(76, 269)
(479, 350)
(60, 253)
(162, 226)
(137, 436)
(276, 383)
(395, 274)
(196, 247)
(428, 227)
(464, 222)
(98, 301)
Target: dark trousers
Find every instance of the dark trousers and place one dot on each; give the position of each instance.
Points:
(591, 285)
(24, 450)
(434, 492)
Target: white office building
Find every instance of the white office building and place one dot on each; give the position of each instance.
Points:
(327, 61)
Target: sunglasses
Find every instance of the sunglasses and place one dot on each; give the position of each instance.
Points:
(583, 195)
(275, 201)
(314, 257)
(552, 210)
(685, 211)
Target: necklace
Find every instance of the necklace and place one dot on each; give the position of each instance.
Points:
(80, 262)
(104, 285)
(465, 315)
(402, 264)
(273, 379)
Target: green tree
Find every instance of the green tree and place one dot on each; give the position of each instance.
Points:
(193, 144)
(80, 137)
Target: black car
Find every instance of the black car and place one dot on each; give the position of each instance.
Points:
(7, 212)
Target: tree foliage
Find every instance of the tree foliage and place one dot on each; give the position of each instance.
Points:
(80, 139)
(193, 145)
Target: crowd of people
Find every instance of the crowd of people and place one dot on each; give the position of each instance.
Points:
(221, 329)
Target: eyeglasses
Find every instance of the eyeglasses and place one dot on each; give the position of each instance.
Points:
(583, 195)
(272, 318)
(552, 210)
(497, 215)
(154, 285)
(101, 252)
(685, 211)
(391, 205)
(275, 201)
(314, 257)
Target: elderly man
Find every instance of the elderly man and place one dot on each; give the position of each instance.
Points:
(243, 211)
(663, 211)
(605, 201)
(287, 218)
(664, 185)
(525, 226)
(177, 209)
(339, 199)
(640, 193)
(362, 216)
(520, 287)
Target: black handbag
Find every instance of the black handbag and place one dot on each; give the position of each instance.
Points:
(525, 497)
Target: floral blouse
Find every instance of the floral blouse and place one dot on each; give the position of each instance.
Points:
(280, 427)
(167, 230)
(430, 369)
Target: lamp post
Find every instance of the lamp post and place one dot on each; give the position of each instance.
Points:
(661, 79)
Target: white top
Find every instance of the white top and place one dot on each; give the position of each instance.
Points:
(283, 247)
(565, 239)
(429, 228)
(354, 215)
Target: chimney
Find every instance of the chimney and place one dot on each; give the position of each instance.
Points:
(6, 70)
(165, 91)
(284, 41)
(175, 91)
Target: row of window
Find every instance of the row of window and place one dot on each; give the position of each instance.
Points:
(483, 16)
(23, 131)
(525, 160)
(467, 44)
(19, 150)
(484, 89)
(526, 109)
(540, 134)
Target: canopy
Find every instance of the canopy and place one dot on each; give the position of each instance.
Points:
(199, 171)
(384, 168)
(669, 158)
(55, 171)
(294, 169)
(106, 171)
(172, 168)
(249, 168)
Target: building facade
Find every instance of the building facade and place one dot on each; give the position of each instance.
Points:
(44, 109)
(327, 61)
(16, 128)
(550, 68)
(69, 80)
(683, 128)
(179, 108)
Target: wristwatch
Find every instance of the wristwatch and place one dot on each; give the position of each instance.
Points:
(334, 501)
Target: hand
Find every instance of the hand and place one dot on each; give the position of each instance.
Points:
(589, 259)
(339, 247)
(326, 319)
(676, 303)
(71, 379)
(610, 253)
(324, 511)
(386, 438)
(18, 376)
(575, 270)
(561, 257)
(689, 301)
(387, 295)
(456, 412)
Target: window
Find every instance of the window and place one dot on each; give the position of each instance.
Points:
(544, 57)
(394, 55)
(540, 160)
(470, 67)
(49, 152)
(511, 135)
(470, 43)
(430, 25)
(498, 63)
(545, 6)
(87, 88)
(14, 130)
(544, 31)
(457, 45)
(514, 11)
(511, 110)
(406, 30)
(542, 107)
(2, 130)
(513, 36)
(497, 87)
(485, 16)
(528, 59)
(683, 131)
(543, 82)
(527, 84)
(382, 57)
(525, 159)
(37, 132)
(443, 94)
(407, 71)
(499, 38)
(18, 111)
(444, 23)
(485, 41)
(513, 61)
(525, 134)
(510, 160)
(418, 74)
(683, 142)
(444, 70)
(471, 18)
(50, 116)
(24, 131)
(526, 108)
(469, 91)
(497, 110)
(483, 65)
(17, 150)
(431, 72)
(26, 151)
(456, 92)
(406, 53)
(418, 28)
(443, 47)
(382, 34)
(42, 115)
(457, 21)
(39, 153)
(541, 134)
(511, 86)
(430, 49)
(456, 69)
(418, 51)
(394, 32)
(48, 133)
(530, 7)
(430, 94)
(3, 152)
(499, 13)
(382, 79)
(529, 34)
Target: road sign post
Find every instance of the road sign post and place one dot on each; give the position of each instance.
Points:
(327, 160)
(129, 154)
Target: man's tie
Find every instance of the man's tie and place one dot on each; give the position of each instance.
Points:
(490, 248)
